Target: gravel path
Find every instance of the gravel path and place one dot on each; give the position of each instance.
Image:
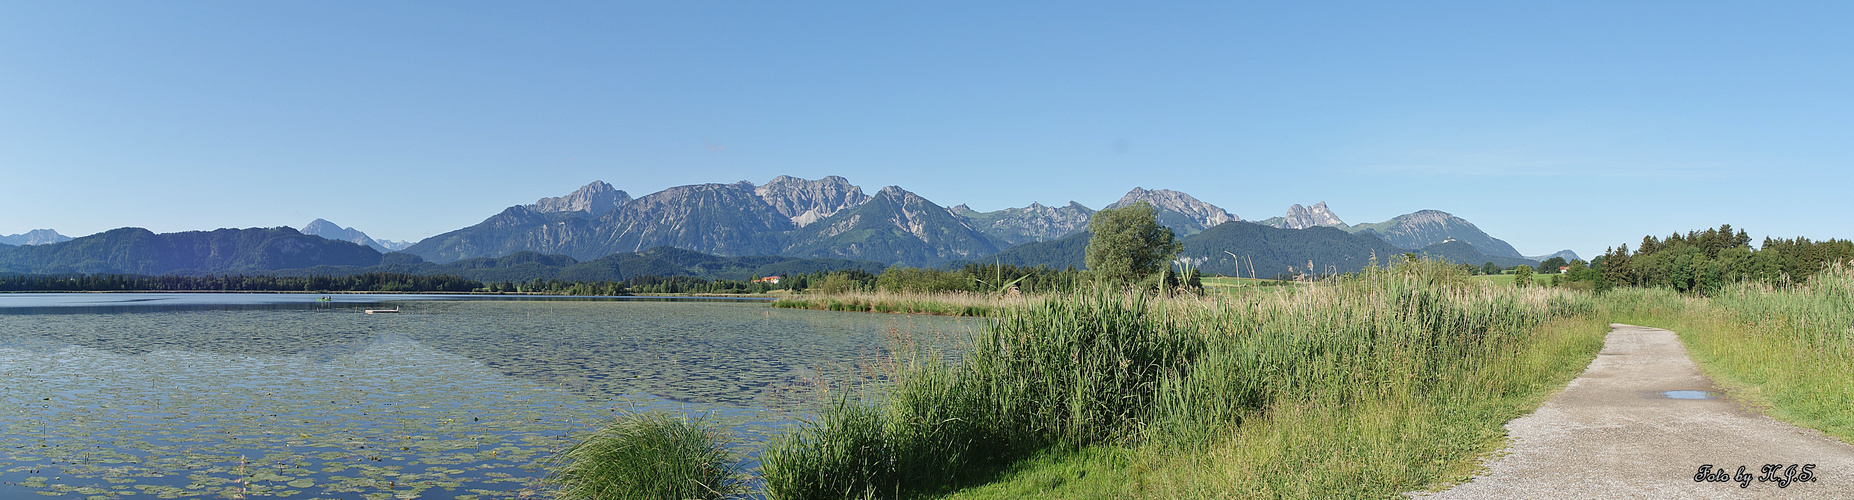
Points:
(1613, 433)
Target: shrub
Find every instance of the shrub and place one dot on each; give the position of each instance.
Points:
(649, 456)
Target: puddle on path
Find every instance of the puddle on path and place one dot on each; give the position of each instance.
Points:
(1690, 395)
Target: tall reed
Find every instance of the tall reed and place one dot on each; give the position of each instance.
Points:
(649, 456)
(1073, 371)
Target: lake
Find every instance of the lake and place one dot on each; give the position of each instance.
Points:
(284, 396)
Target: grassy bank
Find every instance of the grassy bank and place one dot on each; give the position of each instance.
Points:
(1384, 382)
(1789, 350)
(945, 304)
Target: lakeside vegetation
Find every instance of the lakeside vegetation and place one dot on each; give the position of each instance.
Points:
(1410, 371)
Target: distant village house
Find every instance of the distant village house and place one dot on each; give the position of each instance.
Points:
(771, 280)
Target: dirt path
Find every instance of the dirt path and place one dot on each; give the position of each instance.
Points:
(1613, 433)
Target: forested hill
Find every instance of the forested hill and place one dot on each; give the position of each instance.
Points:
(133, 250)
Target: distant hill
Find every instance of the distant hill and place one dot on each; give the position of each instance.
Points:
(1567, 255)
(1428, 227)
(133, 250)
(1460, 252)
(34, 237)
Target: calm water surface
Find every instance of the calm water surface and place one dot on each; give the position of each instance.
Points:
(266, 396)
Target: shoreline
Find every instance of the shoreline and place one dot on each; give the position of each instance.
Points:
(744, 296)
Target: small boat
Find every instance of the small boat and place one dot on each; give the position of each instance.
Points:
(383, 311)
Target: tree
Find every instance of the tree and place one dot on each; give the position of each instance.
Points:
(1551, 265)
(1128, 244)
(1490, 268)
(1522, 276)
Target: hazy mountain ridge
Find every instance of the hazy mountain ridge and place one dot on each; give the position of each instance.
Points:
(1012, 226)
(893, 226)
(330, 230)
(660, 262)
(1567, 255)
(830, 218)
(1428, 227)
(133, 250)
(34, 237)
(1461, 252)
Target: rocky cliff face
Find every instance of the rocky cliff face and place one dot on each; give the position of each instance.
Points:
(893, 226)
(34, 237)
(1177, 210)
(1428, 227)
(1299, 217)
(592, 200)
(805, 202)
(721, 219)
(1013, 226)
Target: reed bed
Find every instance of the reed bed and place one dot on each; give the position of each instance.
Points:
(1382, 382)
(1790, 349)
(649, 456)
(945, 304)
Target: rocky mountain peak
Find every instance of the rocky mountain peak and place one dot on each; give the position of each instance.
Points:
(34, 237)
(593, 199)
(1203, 214)
(806, 201)
(1299, 217)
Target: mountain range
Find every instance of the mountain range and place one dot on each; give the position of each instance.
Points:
(793, 218)
(133, 250)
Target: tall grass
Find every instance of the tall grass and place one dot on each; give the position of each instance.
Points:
(1200, 377)
(1788, 348)
(649, 456)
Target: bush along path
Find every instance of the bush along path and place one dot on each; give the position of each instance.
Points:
(1642, 422)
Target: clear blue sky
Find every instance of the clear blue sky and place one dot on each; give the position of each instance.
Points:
(1552, 126)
